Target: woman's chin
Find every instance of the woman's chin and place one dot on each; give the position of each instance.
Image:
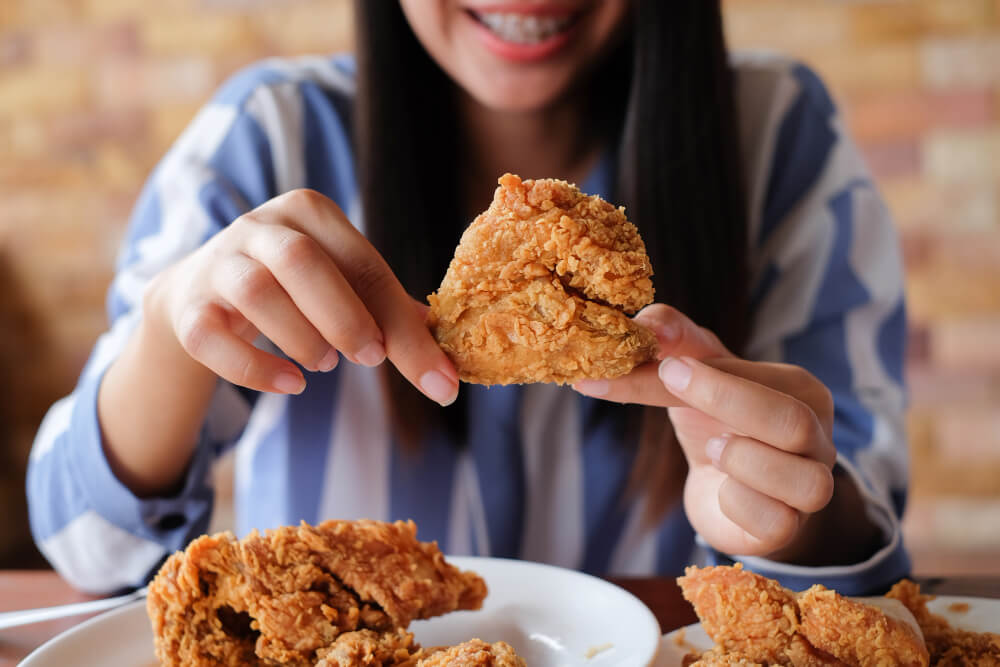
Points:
(515, 97)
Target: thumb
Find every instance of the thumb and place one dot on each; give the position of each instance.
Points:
(678, 336)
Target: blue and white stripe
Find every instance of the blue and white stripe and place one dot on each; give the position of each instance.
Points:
(543, 471)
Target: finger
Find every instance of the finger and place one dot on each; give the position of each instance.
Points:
(800, 483)
(701, 504)
(421, 308)
(250, 288)
(642, 385)
(204, 333)
(770, 521)
(408, 342)
(319, 291)
(677, 335)
(750, 408)
(695, 428)
(786, 378)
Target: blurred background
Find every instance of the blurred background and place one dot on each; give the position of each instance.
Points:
(93, 92)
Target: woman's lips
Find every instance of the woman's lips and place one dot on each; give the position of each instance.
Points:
(524, 36)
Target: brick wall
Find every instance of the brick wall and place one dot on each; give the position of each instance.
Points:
(92, 92)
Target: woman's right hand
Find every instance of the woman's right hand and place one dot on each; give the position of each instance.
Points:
(297, 271)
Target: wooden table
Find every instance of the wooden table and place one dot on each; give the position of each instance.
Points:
(27, 589)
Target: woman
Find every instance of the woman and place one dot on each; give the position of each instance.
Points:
(761, 222)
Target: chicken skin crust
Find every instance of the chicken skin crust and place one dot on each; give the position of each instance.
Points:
(302, 595)
(858, 633)
(755, 620)
(539, 289)
(474, 653)
(948, 646)
(752, 616)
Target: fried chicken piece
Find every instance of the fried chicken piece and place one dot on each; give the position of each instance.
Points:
(367, 647)
(539, 289)
(948, 646)
(860, 633)
(719, 658)
(280, 597)
(749, 615)
(474, 653)
(754, 619)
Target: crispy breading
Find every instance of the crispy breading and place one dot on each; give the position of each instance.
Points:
(370, 648)
(948, 646)
(719, 658)
(857, 633)
(750, 615)
(280, 597)
(474, 653)
(753, 619)
(367, 647)
(539, 289)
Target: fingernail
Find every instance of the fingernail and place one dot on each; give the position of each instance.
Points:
(289, 383)
(371, 354)
(439, 387)
(329, 361)
(714, 447)
(592, 387)
(675, 374)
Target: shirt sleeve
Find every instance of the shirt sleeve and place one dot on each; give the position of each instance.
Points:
(90, 527)
(827, 295)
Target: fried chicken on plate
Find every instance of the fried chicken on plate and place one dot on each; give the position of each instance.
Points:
(751, 616)
(540, 287)
(474, 653)
(340, 593)
(948, 646)
(754, 620)
(719, 658)
(368, 647)
(875, 631)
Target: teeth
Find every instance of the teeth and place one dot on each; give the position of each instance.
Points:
(523, 28)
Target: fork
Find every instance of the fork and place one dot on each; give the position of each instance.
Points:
(12, 619)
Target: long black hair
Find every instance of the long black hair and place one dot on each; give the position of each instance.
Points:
(678, 175)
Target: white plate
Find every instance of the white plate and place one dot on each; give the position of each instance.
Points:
(983, 615)
(553, 617)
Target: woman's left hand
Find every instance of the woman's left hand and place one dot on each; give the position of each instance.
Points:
(757, 435)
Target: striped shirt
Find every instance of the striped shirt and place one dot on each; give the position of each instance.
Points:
(543, 472)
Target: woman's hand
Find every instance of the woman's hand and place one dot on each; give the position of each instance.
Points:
(757, 436)
(296, 271)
